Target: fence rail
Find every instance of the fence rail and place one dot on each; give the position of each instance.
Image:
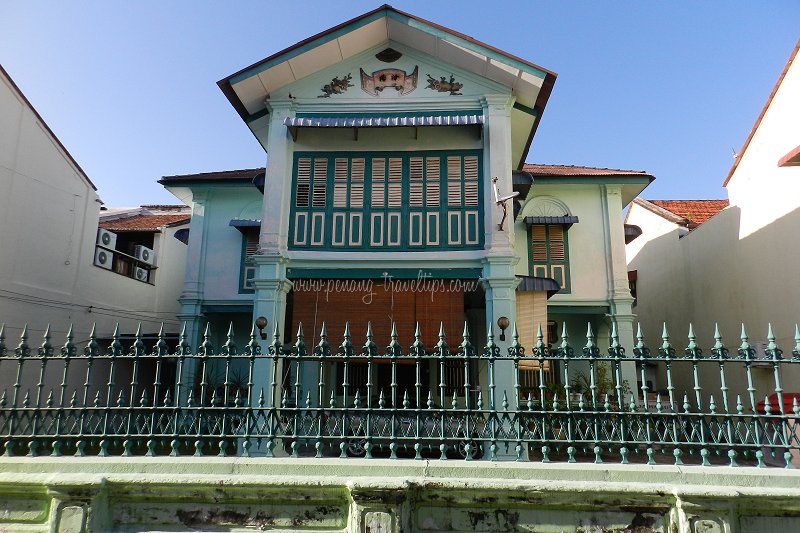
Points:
(359, 400)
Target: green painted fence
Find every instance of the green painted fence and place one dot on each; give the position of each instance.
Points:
(448, 402)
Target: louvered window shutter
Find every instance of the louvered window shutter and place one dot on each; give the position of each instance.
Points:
(319, 190)
(378, 182)
(432, 181)
(251, 245)
(303, 182)
(395, 197)
(454, 181)
(340, 182)
(357, 183)
(471, 181)
(415, 198)
(549, 253)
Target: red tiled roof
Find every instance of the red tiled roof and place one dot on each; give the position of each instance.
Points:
(143, 222)
(573, 170)
(695, 211)
(792, 159)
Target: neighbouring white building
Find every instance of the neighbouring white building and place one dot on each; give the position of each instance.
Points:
(730, 261)
(55, 266)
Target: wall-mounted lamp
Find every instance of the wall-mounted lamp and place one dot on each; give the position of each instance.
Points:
(503, 322)
(261, 323)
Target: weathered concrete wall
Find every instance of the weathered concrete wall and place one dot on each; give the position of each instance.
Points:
(220, 494)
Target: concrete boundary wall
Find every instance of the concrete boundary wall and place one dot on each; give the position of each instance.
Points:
(75, 495)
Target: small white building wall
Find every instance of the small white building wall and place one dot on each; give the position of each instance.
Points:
(764, 191)
(49, 216)
(738, 267)
(46, 209)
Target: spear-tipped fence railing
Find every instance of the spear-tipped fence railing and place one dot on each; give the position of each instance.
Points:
(461, 402)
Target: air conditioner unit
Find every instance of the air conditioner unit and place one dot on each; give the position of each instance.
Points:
(106, 239)
(144, 254)
(141, 274)
(103, 258)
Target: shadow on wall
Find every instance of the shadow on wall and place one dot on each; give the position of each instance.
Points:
(711, 276)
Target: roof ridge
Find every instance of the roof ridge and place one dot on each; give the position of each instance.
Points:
(235, 171)
(582, 166)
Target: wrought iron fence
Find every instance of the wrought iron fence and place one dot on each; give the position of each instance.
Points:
(327, 400)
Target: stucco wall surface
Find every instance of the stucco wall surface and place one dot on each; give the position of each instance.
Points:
(223, 494)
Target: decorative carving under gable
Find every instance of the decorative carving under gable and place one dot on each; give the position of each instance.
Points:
(443, 86)
(403, 82)
(546, 206)
(336, 86)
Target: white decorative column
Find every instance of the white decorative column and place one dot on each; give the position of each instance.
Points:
(619, 294)
(499, 280)
(275, 212)
(191, 299)
(270, 282)
(497, 164)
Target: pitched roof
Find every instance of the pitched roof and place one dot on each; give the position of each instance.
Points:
(55, 139)
(574, 170)
(761, 114)
(243, 174)
(248, 89)
(688, 213)
(143, 222)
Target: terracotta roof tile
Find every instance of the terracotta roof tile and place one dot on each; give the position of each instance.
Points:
(143, 222)
(574, 170)
(695, 211)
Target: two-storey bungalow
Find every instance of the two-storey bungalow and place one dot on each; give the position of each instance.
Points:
(396, 194)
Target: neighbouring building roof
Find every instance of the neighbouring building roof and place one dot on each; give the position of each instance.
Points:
(573, 170)
(761, 114)
(688, 213)
(45, 126)
(792, 159)
(143, 222)
(246, 174)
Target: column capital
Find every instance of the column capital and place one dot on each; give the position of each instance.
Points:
(275, 285)
(498, 103)
(281, 108)
(200, 196)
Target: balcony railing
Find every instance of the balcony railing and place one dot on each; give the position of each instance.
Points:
(241, 402)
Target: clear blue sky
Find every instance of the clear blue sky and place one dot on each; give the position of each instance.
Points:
(666, 87)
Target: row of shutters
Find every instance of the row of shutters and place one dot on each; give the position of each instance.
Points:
(424, 182)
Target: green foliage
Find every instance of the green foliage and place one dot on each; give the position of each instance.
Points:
(603, 381)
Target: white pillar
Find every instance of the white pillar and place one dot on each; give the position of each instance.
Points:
(270, 282)
(497, 164)
(191, 298)
(619, 294)
(275, 212)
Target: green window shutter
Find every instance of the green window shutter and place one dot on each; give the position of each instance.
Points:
(427, 200)
(247, 268)
(549, 253)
